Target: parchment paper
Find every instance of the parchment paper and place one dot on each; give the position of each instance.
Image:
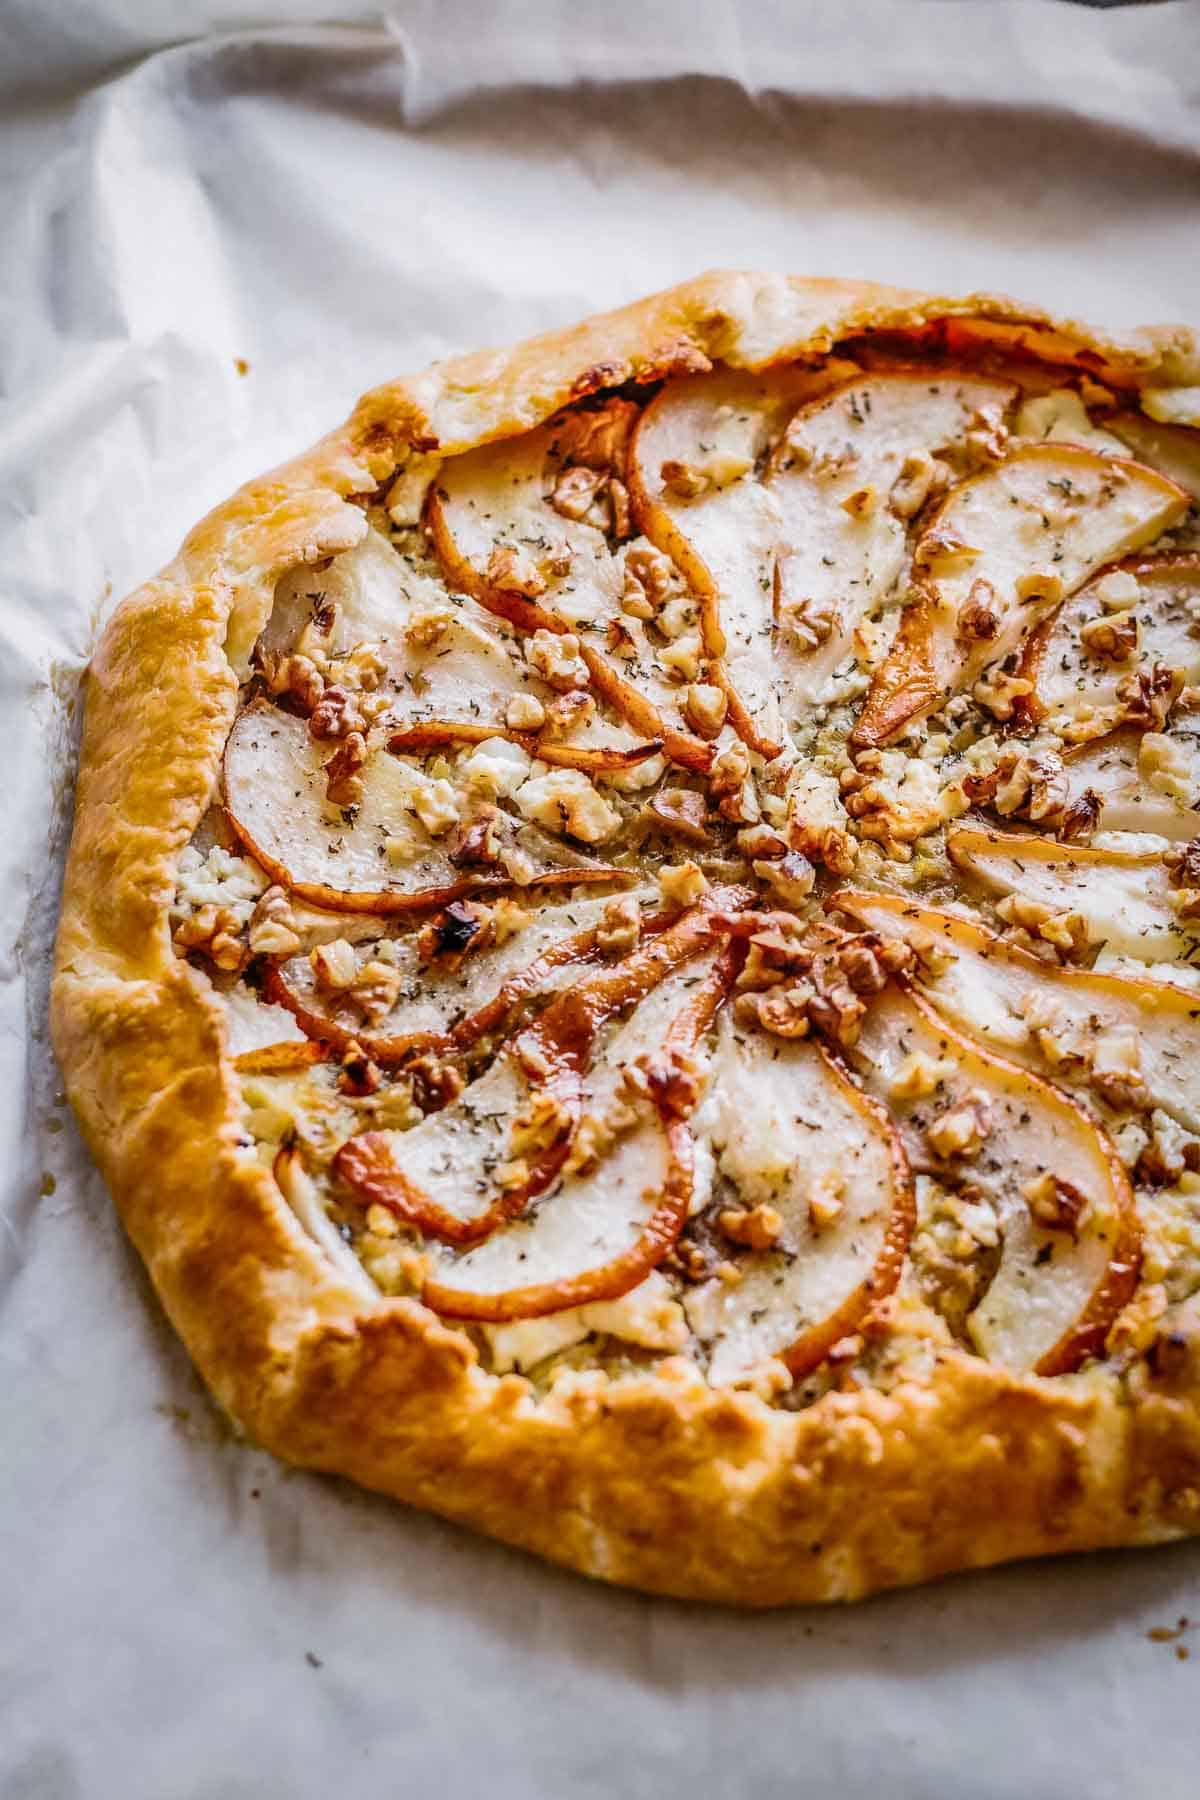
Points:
(181, 1618)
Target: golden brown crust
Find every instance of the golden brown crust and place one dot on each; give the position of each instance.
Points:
(657, 1481)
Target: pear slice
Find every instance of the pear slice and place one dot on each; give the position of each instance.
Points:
(716, 429)
(450, 1002)
(789, 1130)
(593, 758)
(444, 655)
(844, 517)
(456, 1175)
(1140, 782)
(500, 497)
(1004, 548)
(1072, 683)
(1122, 896)
(377, 857)
(1174, 450)
(1057, 1290)
(1132, 1042)
(603, 1231)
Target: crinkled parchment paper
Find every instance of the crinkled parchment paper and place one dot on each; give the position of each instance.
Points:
(323, 207)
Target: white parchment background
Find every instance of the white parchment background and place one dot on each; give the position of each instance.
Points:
(180, 1619)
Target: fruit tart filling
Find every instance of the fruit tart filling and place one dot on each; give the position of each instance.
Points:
(713, 884)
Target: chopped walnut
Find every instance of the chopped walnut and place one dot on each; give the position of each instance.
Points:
(272, 929)
(524, 712)
(296, 676)
(478, 844)
(817, 822)
(1112, 638)
(359, 1075)
(757, 1228)
(569, 712)
(335, 715)
(428, 626)
(759, 843)
(732, 785)
(1182, 863)
(1148, 697)
(625, 639)
(682, 884)
(921, 479)
(681, 812)
(672, 1078)
(894, 798)
(1116, 1068)
(343, 778)
(555, 657)
(458, 930)
(334, 965)
(1001, 693)
(1055, 1204)
(960, 1131)
(1080, 819)
(783, 1012)
(1064, 930)
(810, 623)
(515, 572)
(434, 1083)
(620, 926)
(653, 572)
(705, 708)
(683, 480)
(790, 877)
(542, 1122)
(1030, 784)
(576, 491)
(1062, 1040)
(509, 917)
(215, 931)
(825, 1208)
(375, 990)
(979, 620)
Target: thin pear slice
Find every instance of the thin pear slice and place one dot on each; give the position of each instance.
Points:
(1133, 1042)
(1174, 450)
(843, 533)
(1072, 683)
(445, 656)
(442, 1175)
(725, 539)
(789, 1130)
(499, 498)
(593, 758)
(377, 858)
(1056, 1292)
(1009, 543)
(604, 1229)
(1123, 896)
(451, 1002)
(1132, 790)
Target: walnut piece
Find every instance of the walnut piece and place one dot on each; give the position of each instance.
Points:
(515, 572)
(1055, 1204)
(555, 657)
(757, 1228)
(272, 926)
(1112, 638)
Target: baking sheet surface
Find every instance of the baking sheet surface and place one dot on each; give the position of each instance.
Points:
(184, 1619)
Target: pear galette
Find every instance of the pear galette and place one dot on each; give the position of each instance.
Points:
(631, 951)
